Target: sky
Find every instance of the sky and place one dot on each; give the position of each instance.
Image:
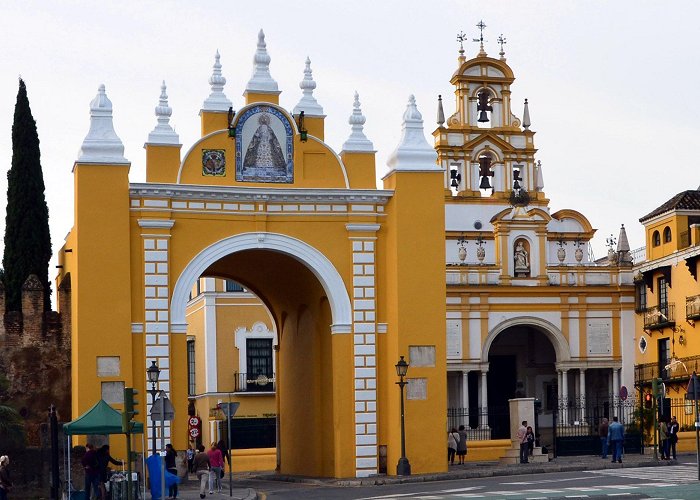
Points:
(611, 85)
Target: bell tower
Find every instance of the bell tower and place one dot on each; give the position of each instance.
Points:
(484, 149)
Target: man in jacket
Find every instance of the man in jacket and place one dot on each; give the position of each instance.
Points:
(522, 439)
(616, 436)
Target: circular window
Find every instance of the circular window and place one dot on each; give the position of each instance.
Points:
(478, 225)
(643, 344)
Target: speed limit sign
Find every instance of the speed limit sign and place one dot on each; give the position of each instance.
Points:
(194, 421)
(194, 432)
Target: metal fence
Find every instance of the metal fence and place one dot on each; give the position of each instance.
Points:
(480, 423)
(582, 416)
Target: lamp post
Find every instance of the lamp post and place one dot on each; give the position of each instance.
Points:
(153, 373)
(403, 468)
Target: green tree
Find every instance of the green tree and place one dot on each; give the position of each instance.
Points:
(11, 427)
(27, 237)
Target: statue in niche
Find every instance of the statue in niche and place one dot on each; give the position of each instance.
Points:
(519, 389)
(522, 263)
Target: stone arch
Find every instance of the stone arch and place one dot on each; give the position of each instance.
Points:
(560, 344)
(312, 258)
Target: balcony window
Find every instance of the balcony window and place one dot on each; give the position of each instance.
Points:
(656, 239)
(664, 356)
(640, 297)
(191, 387)
(692, 307)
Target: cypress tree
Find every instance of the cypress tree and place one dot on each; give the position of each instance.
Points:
(27, 237)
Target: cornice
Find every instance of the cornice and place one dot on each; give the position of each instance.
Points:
(225, 193)
(668, 260)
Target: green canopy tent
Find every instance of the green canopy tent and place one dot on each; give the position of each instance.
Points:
(100, 419)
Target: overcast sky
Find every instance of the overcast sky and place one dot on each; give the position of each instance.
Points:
(612, 86)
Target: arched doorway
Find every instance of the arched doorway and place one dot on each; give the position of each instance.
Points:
(302, 311)
(521, 364)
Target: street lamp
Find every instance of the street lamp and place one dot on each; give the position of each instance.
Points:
(153, 373)
(403, 468)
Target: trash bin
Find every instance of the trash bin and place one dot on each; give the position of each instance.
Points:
(119, 486)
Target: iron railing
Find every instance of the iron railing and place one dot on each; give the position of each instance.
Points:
(692, 307)
(480, 423)
(582, 416)
(249, 382)
(646, 372)
(659, 317)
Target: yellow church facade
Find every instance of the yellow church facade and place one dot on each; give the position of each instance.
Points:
(529, 312)
(258, 265)
(352, 275)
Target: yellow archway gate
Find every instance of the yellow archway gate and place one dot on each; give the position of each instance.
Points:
(353, 276)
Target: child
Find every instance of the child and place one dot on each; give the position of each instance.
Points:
(530, 436)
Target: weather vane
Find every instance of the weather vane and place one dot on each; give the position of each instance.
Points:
(481, 27)
(460, 38)
(502, 42)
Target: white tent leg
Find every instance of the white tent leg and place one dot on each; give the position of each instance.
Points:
(68, 438)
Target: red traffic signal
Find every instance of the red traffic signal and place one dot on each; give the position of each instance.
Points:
(648, 402)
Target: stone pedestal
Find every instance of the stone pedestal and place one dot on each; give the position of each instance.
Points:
(521, 409)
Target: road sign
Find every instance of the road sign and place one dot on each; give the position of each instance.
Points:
(623, 393)
(162, 409)
(194, 421)
(229, 409)
(194, 432)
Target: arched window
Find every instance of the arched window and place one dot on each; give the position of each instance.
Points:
(667, 234)
(656, 239)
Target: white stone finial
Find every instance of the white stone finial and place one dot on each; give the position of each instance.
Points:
(413, 151)
(163, 133)
(526, 116)
(101, 144)
(440, 113)
(308, 103)
(217, 100)
(358, 140)
(261, 81)
(539, 179)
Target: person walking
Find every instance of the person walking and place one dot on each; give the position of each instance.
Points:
(5, 482)
(452, 439)
(603, 433)
(462, 444)
(216, 461)
(663, 439)
(673, 429)
(522, 439)
(190, 459)
(616, 436)
(201, 469)
(171, 466)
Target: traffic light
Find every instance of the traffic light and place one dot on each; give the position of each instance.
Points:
(129, 411)
(648, 401)
(655, 387)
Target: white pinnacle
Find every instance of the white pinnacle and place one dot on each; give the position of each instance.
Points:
(526, 116)
(261, 80)
(308, 103)
(163, 133)
(217, 100)
(539, 179)
(101, 144)
(413, 151)
(358, 140)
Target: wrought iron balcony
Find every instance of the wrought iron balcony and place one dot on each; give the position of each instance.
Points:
(644, 373)
(254, 382)
(660, 317)
(692, 307)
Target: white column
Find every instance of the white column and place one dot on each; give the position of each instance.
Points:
(582, 393)
(616, 389)
(465, 390)
(565, 396)
(484, 401)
